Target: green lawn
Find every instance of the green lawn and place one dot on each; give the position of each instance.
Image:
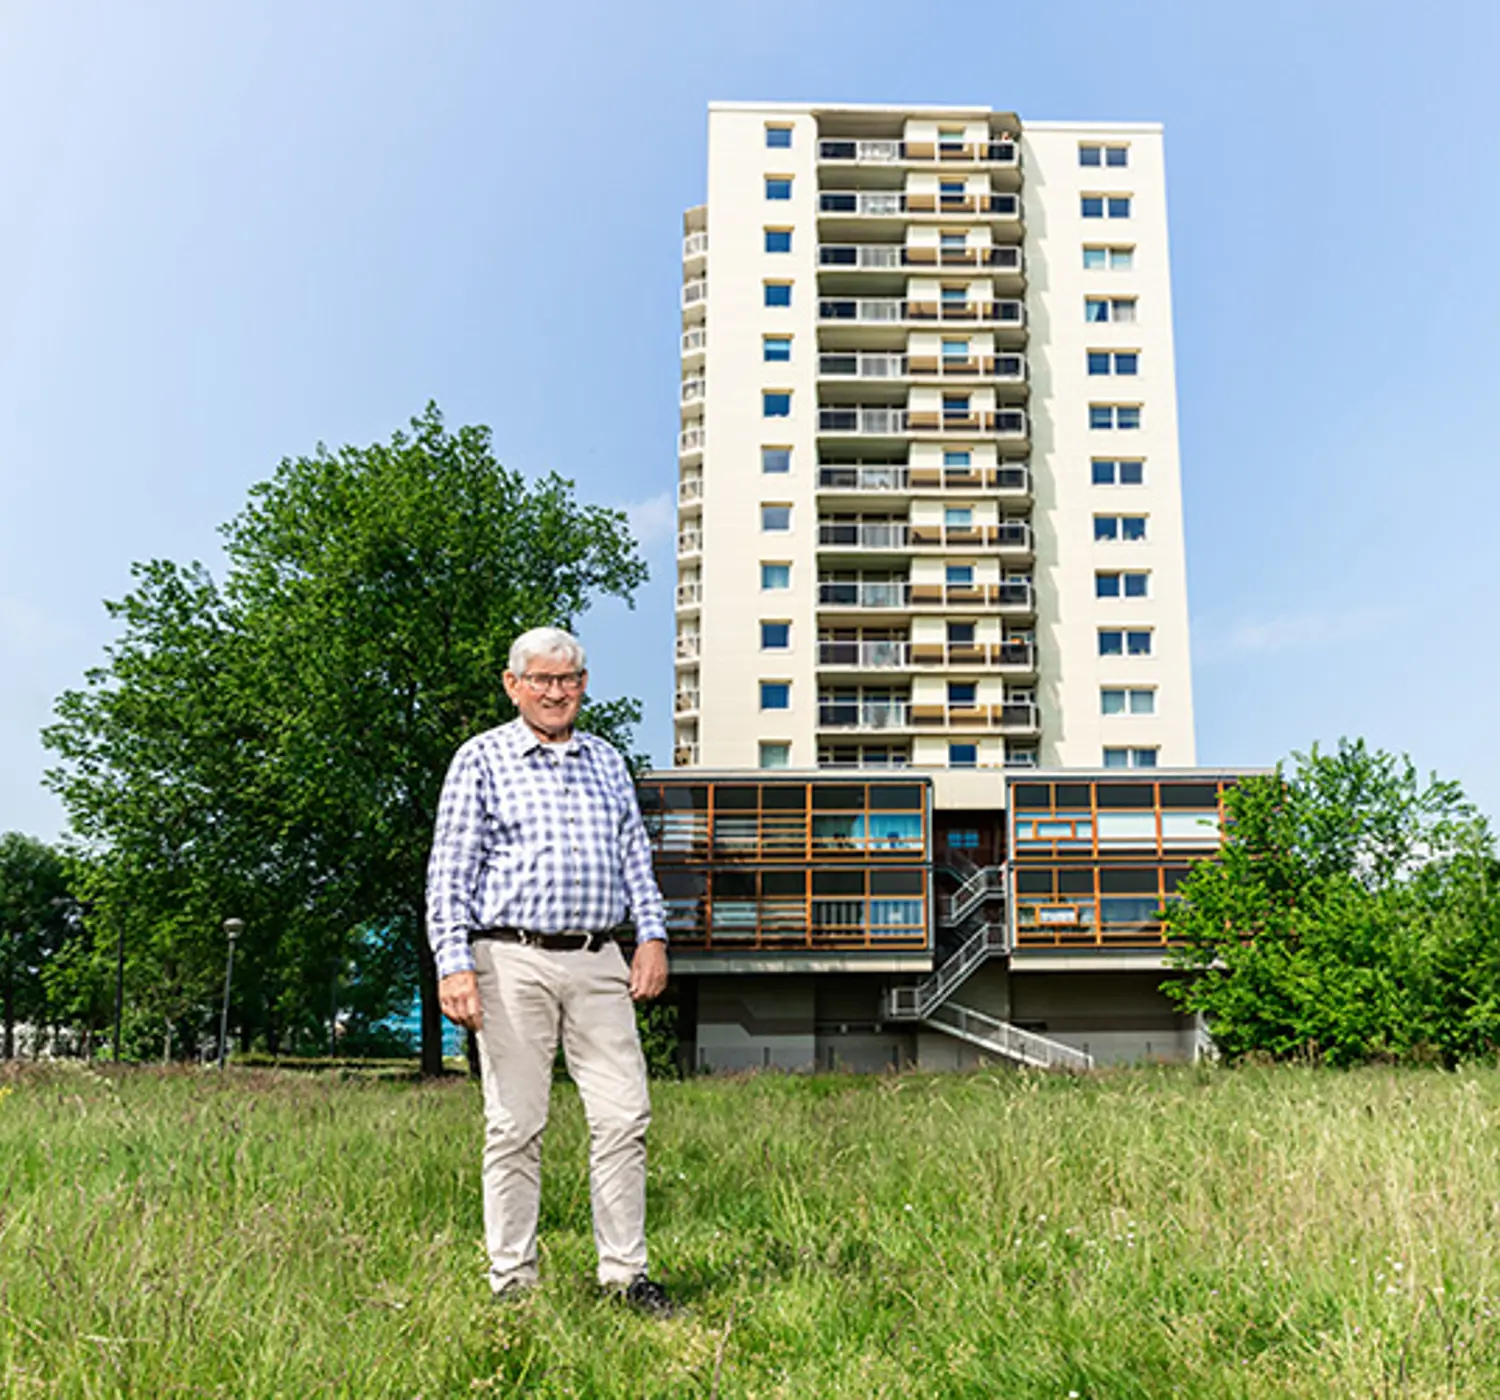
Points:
(1133, 1234)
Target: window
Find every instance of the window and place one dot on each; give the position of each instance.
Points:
(775, 695)
(1098, 256)
(1118, 206)
(778, 240)
(1123, 416)
(1120, 527)
(1113, 361)
(956, 459)
(1107, 473)
(776, 348)
(955, 296)
(778, 293)
(1127, 701)
(1091, 154)
(1118, 311)
(775, 755)
(778, 186)
(955, 405)
(958, 517)
(1115, 642)
(1130, 758)
(951, 189)
(963, 755)
(776, 517)
(953, 240)
(776, 403)
(963, 839)
(963, 692)
(961, 634)
(775, 636)
(1121, 585)
(775, 461)
(1099, 206)
(778, 137)
(962, 575)
(775, 576)
(955, 349)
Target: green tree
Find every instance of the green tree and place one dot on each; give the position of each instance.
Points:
(1351, 914)
(273, 748)
(37, 915)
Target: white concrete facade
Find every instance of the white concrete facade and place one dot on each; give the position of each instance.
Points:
(937, 546)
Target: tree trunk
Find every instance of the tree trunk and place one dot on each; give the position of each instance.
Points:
(432, 1015)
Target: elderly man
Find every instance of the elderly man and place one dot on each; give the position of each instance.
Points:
(539, 853)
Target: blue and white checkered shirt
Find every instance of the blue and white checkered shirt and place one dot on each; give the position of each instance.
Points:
(544, 837)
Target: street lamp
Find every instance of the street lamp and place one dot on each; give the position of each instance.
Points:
(232, 930)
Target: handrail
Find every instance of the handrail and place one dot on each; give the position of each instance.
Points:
(993, 1034)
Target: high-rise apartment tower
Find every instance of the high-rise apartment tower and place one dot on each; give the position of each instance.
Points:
(929, 500)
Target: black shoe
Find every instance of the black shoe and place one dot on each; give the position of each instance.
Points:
(647, 1296)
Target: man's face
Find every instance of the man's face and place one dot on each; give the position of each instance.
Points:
(548, 695)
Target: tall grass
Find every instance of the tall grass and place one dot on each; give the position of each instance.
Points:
(1191, 1232)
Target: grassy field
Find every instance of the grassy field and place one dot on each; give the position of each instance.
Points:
(1191, 1232)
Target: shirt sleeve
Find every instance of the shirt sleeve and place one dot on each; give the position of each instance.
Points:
(641, 891)
(453, 869)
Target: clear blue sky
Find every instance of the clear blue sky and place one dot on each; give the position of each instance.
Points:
(230, 231)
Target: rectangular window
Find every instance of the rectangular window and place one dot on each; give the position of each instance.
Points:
(775, 695)
(961, 634)
(775, 636)
(778, 240)
(958, 517)
(1117, 758)
(1127, 362)
(776, 348)
(1138, 643)
(1118, 206)
(778, 137)
(1113, 361)
(778, 186)
(1094, 258)
(955, 296)
(1126, 473)
(963, 755)
(1122, 585)
(957, 459)
(778, 293)
(1090, 155)
(1109, 310)
(1124, 700)
(775, 755)
(1111, 642)
(1112, 415)
(1098, 361)
(1142, 702)
(776, 461)
(956, 405)
(1117, 155)
(951, 189)
(774, 577)
(961, 575)
(775, 518)
(776, 403)
(1116, 257)
(1132, 527)
(955, 349)
(1111, 702)
(953, 240)
(1129, 758)
(1092, 206)
(963, 692)
(1120, 527)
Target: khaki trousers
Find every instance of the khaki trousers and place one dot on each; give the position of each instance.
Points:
(530, 997)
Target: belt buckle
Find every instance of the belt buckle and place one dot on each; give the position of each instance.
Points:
(526, 938)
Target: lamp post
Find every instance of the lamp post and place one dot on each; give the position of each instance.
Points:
(232, 930)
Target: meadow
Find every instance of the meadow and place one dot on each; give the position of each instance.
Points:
(1143, 1233)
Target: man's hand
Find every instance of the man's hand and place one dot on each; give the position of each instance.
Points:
(648, 970)
(458, 995)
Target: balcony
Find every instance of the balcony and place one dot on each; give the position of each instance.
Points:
(695, 245)
(862, 365)
(1001, 423)
(883, 257)
(863, 714)
(894, 204)
(1011, 478)
(873, 152)
(689, 593)
(876, 594)
(690, 490)
(1010, 595)
(1015, 658)
(685, 755)
(690, 441)
(685, 702)
(694, 342)
(1005, 369)
(992, 152)
(694, 298)
(898, 311)
(687, 646)
(858, 421)
(865, 656)
(862, 535)
(1013, 717)
(860, 476)
(1011, 536)
(689, 541)
(693, 391)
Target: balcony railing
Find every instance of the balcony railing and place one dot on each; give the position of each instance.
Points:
(863, 534)
(1004, 422)
(895, 310)
(687, 647)
(685, 755)
(863, 714)
(691, 440)
(694, 341)
(879, 152)
(1007, 368)
(1013, 717)
(880, 421)
(690, 488)
(1009, 655)
(693, 292)
(892, 203)
(689, 592)
(1012, 594)
(873, 593)
(1004, 153)
(860, 477)
(693, 390)
(1012, 476)
(695, 245)
(874, 257)
(1008, 534)
(685, 702)
(868, 656)
(689, 541)
(862, 365)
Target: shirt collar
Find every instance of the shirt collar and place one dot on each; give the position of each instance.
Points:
(523, 741)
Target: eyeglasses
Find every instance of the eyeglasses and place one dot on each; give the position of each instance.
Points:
(570, 683)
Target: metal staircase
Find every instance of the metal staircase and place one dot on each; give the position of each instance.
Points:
(928, 1000)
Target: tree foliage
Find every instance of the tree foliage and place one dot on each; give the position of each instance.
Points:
(36, 917)
(1352, 915)
(272, 748)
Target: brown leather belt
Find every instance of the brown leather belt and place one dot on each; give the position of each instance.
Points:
(552, 942)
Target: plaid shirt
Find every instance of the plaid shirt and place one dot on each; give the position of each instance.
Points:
(534, 839)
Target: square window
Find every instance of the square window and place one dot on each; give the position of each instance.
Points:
(1117, 758)
(776, 403)
(775, 518)
(778, 187)
(1093, 259)
(1128, 416)
(958, 517)
(1133, 527)
(1119, 204)
(1132, 473)
(953, 240)
(775, 576)
(779, 137)
(1106, 585)
(1116, 155)
(962, 692)
(1122, 259)
(955, 403)
(955, 296)
(1106, 527)
(778, 293)
(778, 240)
(1135, 585)
(1093, 206)
(775, 461)
(961, 575)
(1122, 311)
(775, 755)
(1095, 310)
(775, 695)
(1138, 644)
(1089, 155)
(775, 636)
(1111, 643)
(1143, 758)
(963, 755)
(961, 634)
(1127, 362)
(1098, 361)
(1103, 473)
(1143, 702)
(1112, 702)
(1101, 415)
(776, 348)
(957, 459)
(955, 349)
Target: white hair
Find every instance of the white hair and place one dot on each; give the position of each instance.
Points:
(546, 641)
